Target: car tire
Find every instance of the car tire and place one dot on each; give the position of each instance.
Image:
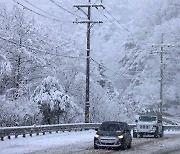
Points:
(155, 135)
(134, 135)
(96, 147)
(124, 146)
(161, 135)
(129, 146)
(119, 148)
(141, 135)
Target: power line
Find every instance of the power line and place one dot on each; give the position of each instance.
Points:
(118, 27)
(106, 17)
(40, 9)
(12, 42)
(102, 65)
(37, 12)
(11, 21)
(35, 49)
(97, 1)
(114, 20)
(117, 21)
(109, 69)
(57, 4)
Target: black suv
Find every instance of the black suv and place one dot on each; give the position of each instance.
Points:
(112, 134)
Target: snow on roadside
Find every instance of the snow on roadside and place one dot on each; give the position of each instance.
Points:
(171, 132)
(49, 141)
(36, 143)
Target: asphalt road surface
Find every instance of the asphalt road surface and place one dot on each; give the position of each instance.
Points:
(169, 144)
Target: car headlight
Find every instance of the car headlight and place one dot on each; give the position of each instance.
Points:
(96, 136)
(120, 137)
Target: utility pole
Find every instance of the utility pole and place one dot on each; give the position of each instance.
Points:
(161, 71)
(90, 23)
(162, 46)
(161, 74)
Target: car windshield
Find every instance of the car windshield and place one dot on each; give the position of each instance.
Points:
(147, 118)
(111, 127)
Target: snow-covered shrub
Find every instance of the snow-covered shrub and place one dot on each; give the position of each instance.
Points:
(21, 111)
(54, 104)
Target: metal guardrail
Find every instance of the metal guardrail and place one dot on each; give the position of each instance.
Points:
(166, 127)
(171, 127)
(29, 130)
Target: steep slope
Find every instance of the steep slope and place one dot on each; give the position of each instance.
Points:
(124, 43)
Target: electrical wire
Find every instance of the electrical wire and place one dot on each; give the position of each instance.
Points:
(37, 12)
(116, 73)
(104, 15)
(97, 1)
(57, 4)
(117, 21)
(113, 19)
(31, 48)
(40, 9)
(107, 18)
(12, 42)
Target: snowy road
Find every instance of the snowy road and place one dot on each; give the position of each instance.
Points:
(82, 143)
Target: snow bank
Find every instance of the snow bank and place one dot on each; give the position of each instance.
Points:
(36, 143)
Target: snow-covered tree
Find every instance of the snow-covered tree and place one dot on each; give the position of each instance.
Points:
(18, 112)
(54, 104)
(141, 62)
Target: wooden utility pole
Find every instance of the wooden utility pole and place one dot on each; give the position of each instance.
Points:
(90, 24)
(161, 71)
(162, 46)
(161, 74)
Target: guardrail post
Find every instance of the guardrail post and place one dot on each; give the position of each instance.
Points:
(9, 137)
(16, 136)
(2, 138)
(24, 135)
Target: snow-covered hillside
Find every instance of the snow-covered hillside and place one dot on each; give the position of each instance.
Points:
(125, 70)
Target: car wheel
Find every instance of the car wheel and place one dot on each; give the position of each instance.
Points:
(161, 135)
(124, 146)
(129, 146)
(95, 146)
(141, 135)
(119, 148)
(134, 135)
(155, 135)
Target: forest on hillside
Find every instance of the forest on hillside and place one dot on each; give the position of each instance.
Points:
(43, 71)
